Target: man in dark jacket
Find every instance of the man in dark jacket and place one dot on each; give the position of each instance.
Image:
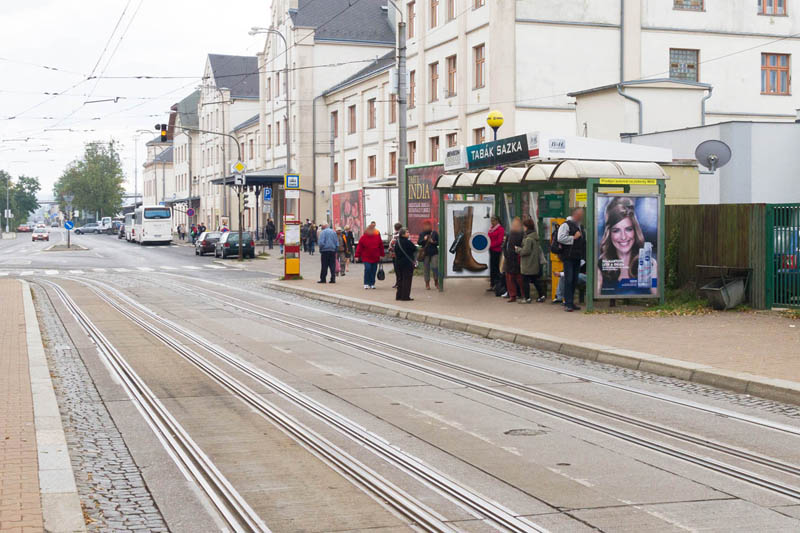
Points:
(429, 241)
(572, 235)
(404, 264)
(270, 231)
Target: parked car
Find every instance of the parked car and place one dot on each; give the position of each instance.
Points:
(54, 225)
(228, 245)
(91, 227)
(206, 242)
(24, 228)
(40, 234)
(121, 232)
(40, 225)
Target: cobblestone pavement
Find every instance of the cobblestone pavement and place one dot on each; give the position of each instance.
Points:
(113, 493)
(20, 504)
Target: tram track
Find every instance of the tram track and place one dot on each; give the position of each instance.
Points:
(495, 514)
(666, 398)
(368, 345)
(187, 455)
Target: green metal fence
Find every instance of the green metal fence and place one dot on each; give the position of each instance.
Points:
(783, 254)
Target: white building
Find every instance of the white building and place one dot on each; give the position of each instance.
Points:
(186, 151)
(158, 182)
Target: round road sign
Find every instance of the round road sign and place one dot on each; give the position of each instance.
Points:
(190, 212)
(69, 224)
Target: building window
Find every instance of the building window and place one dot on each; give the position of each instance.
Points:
(435, 13)
(277, 134)
(392, 163)
(269, 89)
(269, 135)
(412, 152)
(352, 164)
(451, 9)
(452, 140)
(335, 124)
(479, 135)
(434, 155)
(451, 76)
(478, 3)
(775, 76)
(285, 130)
(393, 109)
(480, 65)
(336, 172)
(372, 113)
(351, 119)
(412, 89)
(277, 84)
(252, 149)
(689, 5)
(412, 17)
(683, 64)
(772, 7)
(372, 162)
(434, 75)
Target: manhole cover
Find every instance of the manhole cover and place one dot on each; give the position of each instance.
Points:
(525, 432)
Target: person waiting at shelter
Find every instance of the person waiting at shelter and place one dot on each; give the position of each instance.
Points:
(405, 263)
(392, 252)
(571, 235)
(559, 299)
(511, 248)
(328, 245)
(370, 250)
(428, 241)
(531, 260)
(496, 234)
(341, 252)
(349, 245)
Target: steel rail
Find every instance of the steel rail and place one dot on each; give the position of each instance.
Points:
(497, 515)
(705, 462)
(733, 415)
(188, 456)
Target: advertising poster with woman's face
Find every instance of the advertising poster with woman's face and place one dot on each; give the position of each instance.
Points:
(627, 244)
(348, 211)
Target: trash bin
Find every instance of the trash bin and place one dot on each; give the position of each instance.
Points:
(725, 293)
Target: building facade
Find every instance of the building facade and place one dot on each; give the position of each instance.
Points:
(158, 181)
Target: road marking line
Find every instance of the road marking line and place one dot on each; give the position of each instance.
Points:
(51, 272)
(26, 273)
(189, 267)
(145, 269)
(121, 270)
(169, 268)
(98, 270)
(76, 271)
(3, 273)
(216, 267)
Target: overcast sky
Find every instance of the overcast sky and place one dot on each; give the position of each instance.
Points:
(154, 37)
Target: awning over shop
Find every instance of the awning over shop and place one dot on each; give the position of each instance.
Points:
(573, 169)
(259, 178)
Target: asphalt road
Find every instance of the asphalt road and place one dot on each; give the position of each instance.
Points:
(466, 431)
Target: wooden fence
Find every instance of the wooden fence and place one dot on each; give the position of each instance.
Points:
(731, 235)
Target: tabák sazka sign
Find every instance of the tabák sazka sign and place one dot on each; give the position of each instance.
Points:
(500, 152)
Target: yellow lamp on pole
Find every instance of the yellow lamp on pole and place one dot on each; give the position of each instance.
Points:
(495, 120)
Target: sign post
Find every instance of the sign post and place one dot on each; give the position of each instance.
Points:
(69, 224)
(291, 226)
(239, 181)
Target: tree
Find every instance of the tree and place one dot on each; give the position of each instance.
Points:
(21, 198)
(95, 180)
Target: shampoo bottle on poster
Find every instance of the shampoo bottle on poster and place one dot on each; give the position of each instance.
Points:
(645, 271)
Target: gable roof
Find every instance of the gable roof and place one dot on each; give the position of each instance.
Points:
(239, 74)
(379, 65)
(651, 81)
(165, 156)
(338, 20)
(249, 122)
(187, 110)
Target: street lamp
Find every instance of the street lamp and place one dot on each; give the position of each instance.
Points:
(255, 30)
(495, 120)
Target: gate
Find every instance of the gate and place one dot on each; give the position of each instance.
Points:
(783, 253)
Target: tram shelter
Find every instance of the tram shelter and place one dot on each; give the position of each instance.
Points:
(556, 175)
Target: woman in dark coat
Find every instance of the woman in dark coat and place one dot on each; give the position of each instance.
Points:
(405, 264)
(511, 247)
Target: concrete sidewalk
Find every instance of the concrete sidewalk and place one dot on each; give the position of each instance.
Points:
(37, 486)
(752, 352)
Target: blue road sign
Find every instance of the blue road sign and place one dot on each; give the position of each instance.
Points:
(69, 224)
(268, 194)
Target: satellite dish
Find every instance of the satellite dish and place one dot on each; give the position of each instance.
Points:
(713, 154)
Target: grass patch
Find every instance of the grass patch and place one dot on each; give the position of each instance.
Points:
(678, 303)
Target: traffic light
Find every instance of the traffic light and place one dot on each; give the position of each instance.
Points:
(245, 200)
(163, 129)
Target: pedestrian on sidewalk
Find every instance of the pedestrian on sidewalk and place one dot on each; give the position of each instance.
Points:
(393, 254)
(572, 236)
(180, 232)
(405, 263)
(270, 232)
(559, 299)
(531, 263)
(511, 248)
(428, 241)
(313, 236)
(496, 234)
(304, 234)
(370, 251)
(193, 233)
(341, 254)
(349, 244)
(328, 244)
(280, 240)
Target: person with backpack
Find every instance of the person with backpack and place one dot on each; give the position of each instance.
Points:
(496, 234)
(530, 263)
(511, 248)
(571, 237)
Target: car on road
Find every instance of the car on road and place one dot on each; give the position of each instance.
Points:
(40, 234)
(91, 227)
(24, 228)
(206, 242)
(228, 245)
(54, 225)
(40, 226)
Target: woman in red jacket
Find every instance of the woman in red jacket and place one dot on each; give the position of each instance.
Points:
(496, 234)
(370, 251)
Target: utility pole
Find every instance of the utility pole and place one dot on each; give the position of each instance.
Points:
(402, 122)
(333, 164)
(8, 209)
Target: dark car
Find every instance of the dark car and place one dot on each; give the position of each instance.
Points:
(40, 234)
(228, 245)
(121, 232)
(91, 227)
(206, 242)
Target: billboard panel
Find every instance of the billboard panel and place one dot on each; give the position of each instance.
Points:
(423, 202)
(348, 210)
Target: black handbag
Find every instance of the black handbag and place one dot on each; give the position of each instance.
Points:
(381, 274)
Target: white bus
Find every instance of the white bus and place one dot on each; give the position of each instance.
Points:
(129, 227)
(152, 224)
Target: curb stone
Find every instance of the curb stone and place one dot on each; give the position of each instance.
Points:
(779, 390)
(61, 506)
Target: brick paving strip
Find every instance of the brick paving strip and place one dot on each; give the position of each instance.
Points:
(37, 487)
